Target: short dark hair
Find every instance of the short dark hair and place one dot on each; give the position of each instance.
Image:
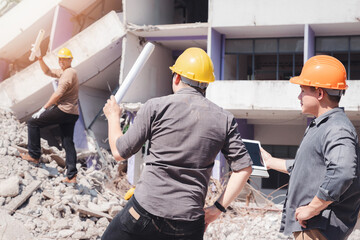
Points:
(334, 99)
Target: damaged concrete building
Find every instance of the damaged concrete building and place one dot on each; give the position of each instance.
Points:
(256, 46)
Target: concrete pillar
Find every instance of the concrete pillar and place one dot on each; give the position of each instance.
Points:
(221, 167)
(246, 130)
(62, 27)
(309, 120)
(216, 52)
(4, 69)
(309, 43)
(80, 139)
(135, 162)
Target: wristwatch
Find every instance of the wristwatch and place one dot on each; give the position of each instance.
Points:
(220, 207)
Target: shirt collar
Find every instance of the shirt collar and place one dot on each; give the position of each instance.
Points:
(188, 90)
(324, 117)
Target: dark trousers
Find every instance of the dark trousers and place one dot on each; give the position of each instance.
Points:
(135, 223)
(66, 122)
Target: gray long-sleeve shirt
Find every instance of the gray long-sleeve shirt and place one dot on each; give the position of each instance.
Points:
(327, 166)
(185, 131)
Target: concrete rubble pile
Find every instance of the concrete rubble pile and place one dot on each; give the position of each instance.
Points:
(35, 204)
(51, 209)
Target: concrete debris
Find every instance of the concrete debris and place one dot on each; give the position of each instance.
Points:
(19, 200)
(42, 206)
(11, 228)
(10, 187)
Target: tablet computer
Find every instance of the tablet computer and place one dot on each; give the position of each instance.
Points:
(259, 166)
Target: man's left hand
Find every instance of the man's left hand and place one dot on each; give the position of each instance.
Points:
(304, 213)
(211, 214)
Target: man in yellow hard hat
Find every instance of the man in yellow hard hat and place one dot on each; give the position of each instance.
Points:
(185, 132)
(323, 198)
(61, 109)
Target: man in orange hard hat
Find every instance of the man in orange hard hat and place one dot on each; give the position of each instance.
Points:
(185, 132)
(61, 109)
(323, 198)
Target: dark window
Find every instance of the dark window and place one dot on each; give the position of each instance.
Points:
(263, 59)
(345, 48)
(277, 179)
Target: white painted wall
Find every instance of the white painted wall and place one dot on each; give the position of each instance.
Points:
(283, 12)
(271, 99)
(155, 78)
(282, 134)
(149, 12)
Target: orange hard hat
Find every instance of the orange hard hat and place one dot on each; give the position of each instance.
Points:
(322, 71)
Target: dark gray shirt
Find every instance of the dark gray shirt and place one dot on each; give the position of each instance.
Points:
(327, 166)
(185, 131)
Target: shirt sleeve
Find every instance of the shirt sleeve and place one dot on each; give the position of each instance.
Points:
(137, 134)
(341, 159)
(289, 165)
(65, 82)
(234, 149)
(55, 73)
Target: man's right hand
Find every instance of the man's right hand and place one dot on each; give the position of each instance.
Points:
(112, 109)
(38, 113)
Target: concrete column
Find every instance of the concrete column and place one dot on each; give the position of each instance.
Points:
(4, 68)
(309, 43)
(216, 52)
(62, 27)
(309, 120)
(221, 167)
(135, 162)
(80, 139)
(246, 130)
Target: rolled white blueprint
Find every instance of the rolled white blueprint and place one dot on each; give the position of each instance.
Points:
(36, 45)
(134, 71)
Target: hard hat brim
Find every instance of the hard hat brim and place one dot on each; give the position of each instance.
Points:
(306, 82)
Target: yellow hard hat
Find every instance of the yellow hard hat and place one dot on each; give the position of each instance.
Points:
(65, 53)
(195, 64)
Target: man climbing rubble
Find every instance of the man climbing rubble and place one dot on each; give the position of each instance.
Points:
(185, 132)
(61, 109)
(323, 198)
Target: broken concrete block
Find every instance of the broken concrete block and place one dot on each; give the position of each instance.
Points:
(59, 160)
(115, 210)
(65, 233)
(10, 228)
(12, 151)
(3, 151)
(61, 224)
(10, 187)
(101, 208)
(102, 222)
(78, 235)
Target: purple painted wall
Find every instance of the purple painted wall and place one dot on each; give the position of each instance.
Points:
(309, 43)
(216, 53)
(62, 27)
(246, 130)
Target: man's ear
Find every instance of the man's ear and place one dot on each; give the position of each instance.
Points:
(321, 93)
(177, 79)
